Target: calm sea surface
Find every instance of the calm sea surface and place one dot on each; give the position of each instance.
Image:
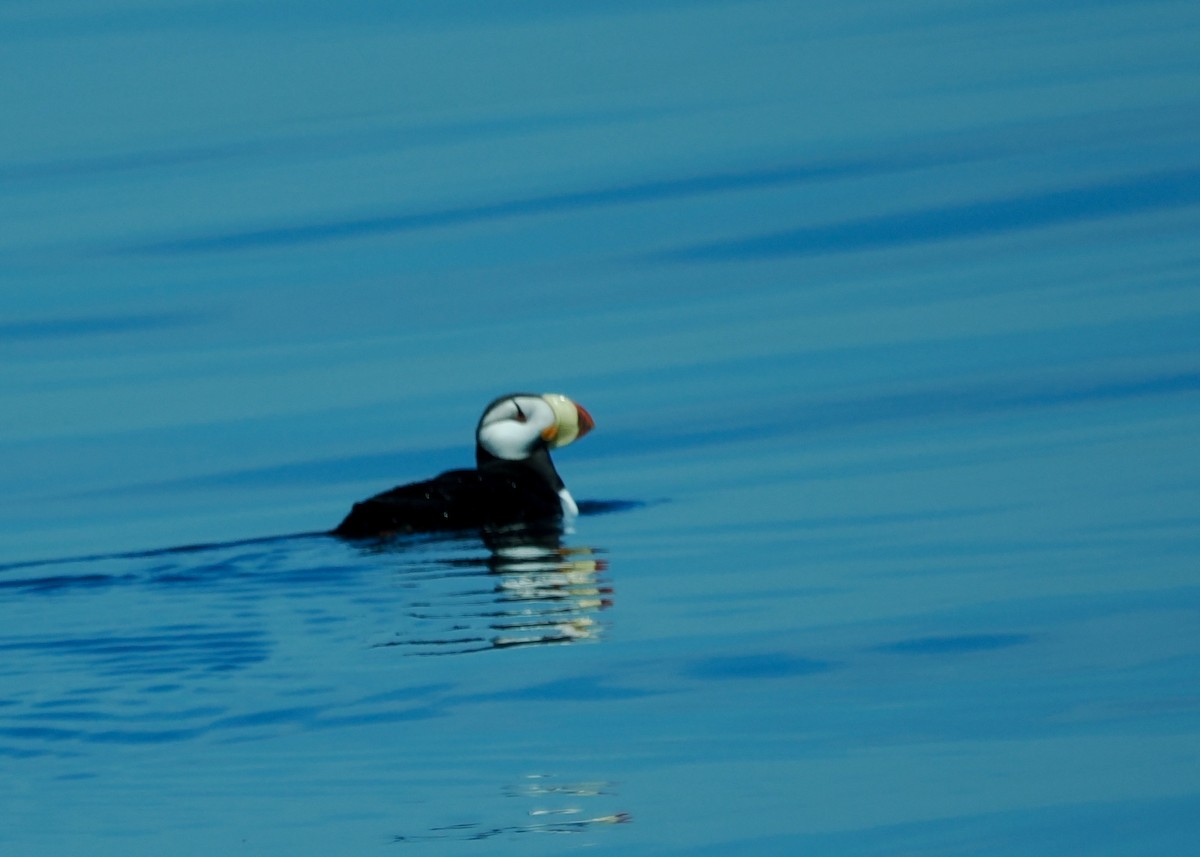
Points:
(889, 317)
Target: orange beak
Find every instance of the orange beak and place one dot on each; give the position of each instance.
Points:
(586, 423)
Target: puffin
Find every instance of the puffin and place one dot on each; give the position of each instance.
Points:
(514, 481)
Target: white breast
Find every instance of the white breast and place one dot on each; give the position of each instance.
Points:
(570, 510)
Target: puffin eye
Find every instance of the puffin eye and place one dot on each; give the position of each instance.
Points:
(520, 413)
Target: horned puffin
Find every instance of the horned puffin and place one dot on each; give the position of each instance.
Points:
(514, 480)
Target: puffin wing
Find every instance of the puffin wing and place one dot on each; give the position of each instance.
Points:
(455, 500)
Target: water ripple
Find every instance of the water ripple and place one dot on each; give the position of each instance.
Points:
(165, 651)
(258, 611)
(955, 644)
(1160, 191)
(98, 325)
(626, 194)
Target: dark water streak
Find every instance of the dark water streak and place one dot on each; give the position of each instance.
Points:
(654, 191)
(1147, 193)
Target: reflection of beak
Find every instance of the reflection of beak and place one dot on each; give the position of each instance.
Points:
(571, 421)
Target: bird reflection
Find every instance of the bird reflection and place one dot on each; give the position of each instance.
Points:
(554, 806)
(530, 589)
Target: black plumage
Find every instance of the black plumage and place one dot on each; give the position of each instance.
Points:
(494, 495)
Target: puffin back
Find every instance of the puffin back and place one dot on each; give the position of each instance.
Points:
(497, 494)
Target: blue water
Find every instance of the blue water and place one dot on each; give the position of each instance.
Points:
(889, 320)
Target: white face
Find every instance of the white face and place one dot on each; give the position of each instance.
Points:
(513, 427)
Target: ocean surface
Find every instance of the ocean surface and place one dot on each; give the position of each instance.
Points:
(889, 318)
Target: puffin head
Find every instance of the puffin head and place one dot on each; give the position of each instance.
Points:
(516, 426)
